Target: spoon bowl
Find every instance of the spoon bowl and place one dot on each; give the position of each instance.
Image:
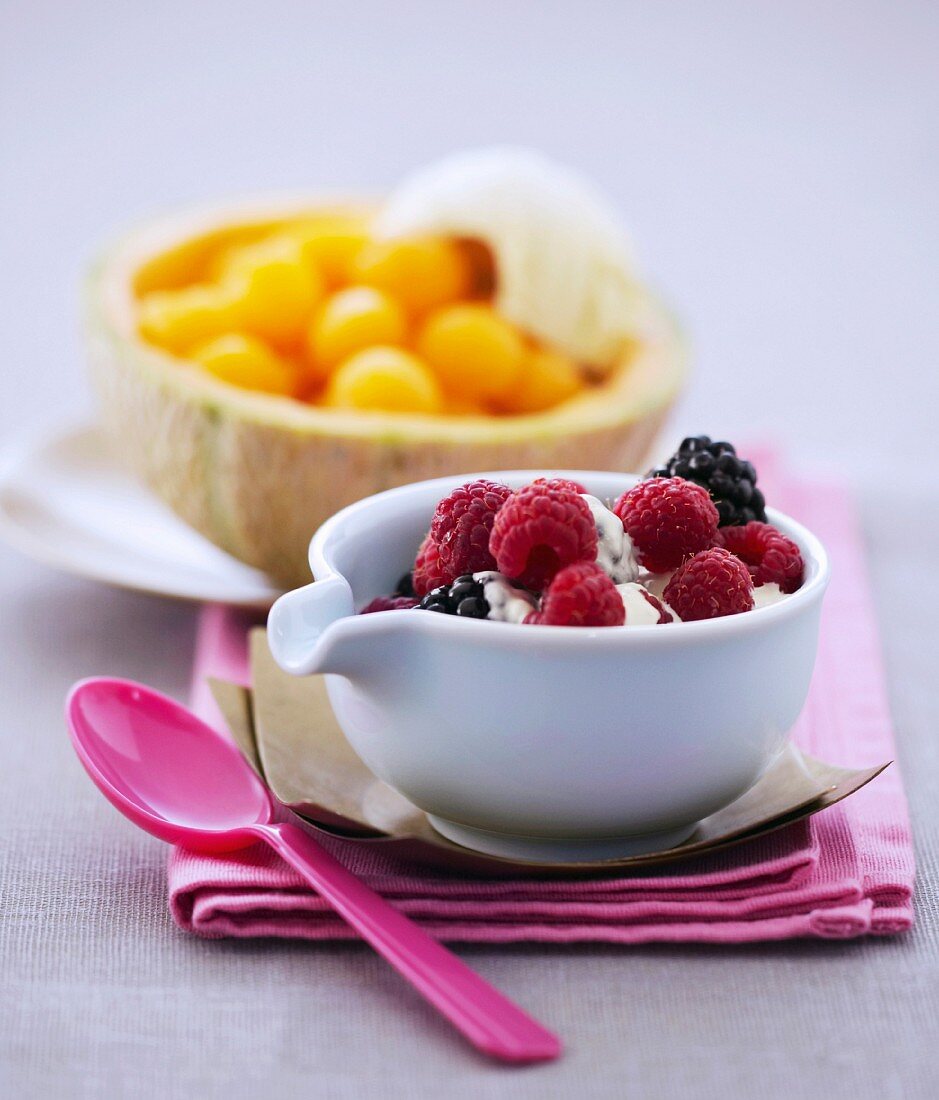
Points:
(164, 768)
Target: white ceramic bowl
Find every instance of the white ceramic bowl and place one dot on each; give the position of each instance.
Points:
(543, 742)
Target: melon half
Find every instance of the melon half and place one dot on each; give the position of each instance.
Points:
(257, 474)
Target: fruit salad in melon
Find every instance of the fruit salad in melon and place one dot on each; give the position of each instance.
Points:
(262, 365)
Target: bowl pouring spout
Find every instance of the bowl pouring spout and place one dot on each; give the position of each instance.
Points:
(302, 622)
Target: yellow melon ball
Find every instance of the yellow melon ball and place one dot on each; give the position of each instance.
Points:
(237, 258)
(330, 245)
(244, 361)
(275, 292)
(177, 319)
(461, 406)
(546, 379)
(352, 319)
(421, 273)
(474, 352)
(386, 379)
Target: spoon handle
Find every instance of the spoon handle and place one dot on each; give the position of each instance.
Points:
(488, 1019)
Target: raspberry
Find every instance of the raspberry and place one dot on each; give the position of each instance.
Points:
(388, 603)
(540, 529)
(561, 483)
(428, 569)
(580, 595)
(462, 524)
(768, 554)
(668, 520)
(713, 583)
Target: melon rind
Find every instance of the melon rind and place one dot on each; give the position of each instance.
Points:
(257, 474)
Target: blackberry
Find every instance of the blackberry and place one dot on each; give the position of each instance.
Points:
(405, 586)
(463, 597)
(730, 480)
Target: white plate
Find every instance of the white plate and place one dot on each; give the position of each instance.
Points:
(65, 501)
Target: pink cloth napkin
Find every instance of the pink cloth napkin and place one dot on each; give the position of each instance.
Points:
(845, 872)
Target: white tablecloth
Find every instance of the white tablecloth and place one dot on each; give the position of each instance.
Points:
(779, 165)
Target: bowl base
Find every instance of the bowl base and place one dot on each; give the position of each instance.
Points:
(535, 849)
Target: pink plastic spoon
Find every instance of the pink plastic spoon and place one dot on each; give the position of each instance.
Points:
(179, 779)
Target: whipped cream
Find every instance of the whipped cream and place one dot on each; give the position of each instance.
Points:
(642, 608)
(615, 553)
(766, 594)
(507, 602)
(563, 262)
(656, 583)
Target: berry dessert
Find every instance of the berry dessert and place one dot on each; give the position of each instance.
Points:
(551, 554)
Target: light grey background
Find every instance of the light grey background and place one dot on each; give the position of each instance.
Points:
(778, 164)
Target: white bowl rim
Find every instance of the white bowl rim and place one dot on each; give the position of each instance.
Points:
(510, 635)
